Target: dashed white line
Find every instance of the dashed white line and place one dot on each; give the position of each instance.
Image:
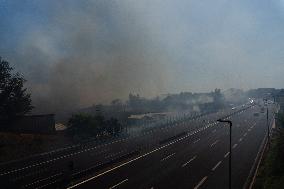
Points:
(226, 154)
(185, 164)
(214, 143)
(240, 139)
(38, 181)
(215, 167)
(114, 186)
(168, 157)
(245, 134)
(196, 141)
(235, 145)
(201, 182)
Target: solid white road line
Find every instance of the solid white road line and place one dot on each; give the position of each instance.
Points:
(185, 164)
(215, 167)
(201, 182)
(226, 155)
(168, 157)
(114, 186)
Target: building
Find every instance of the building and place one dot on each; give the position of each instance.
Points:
(32, 124)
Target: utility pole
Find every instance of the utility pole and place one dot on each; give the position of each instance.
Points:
(230, 153)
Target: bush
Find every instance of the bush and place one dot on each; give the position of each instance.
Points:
(85, 126)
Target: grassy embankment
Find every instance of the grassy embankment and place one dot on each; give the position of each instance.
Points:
(271, 170)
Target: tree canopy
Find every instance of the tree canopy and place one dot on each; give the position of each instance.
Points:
(86, 125)
(14, 98)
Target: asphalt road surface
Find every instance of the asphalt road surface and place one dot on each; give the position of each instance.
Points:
(185, 154)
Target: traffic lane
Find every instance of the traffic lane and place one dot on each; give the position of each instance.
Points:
(188, 173)
(220, 150)
(58, 153)
(79, 165)
(243, 156)
(182, 160)
(113, 153)
(120, 152)
(133, 169)
(224, 143)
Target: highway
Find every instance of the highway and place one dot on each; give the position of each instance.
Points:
(184, 154)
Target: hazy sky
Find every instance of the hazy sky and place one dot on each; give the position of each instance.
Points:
(76, 53)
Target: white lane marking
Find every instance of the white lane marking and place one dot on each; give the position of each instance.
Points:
(245, 134)
(201, 182)
(196, 141)
(185, 164)
(42, 180)
(215, 167)
(240, 139)
(226, 154)
(47, 184)
(168, 157)
(214, 143)
(249, 130)
(114, 186)
(235, 145)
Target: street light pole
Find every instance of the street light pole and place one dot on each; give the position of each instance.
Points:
(268, 131)
(230, 153)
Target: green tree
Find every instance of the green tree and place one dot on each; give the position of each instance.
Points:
(14, 99)
(84, 126)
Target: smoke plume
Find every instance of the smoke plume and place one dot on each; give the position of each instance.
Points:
(92, 55)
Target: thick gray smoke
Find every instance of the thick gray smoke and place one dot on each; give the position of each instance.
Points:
(77, 53)
(93, 54)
